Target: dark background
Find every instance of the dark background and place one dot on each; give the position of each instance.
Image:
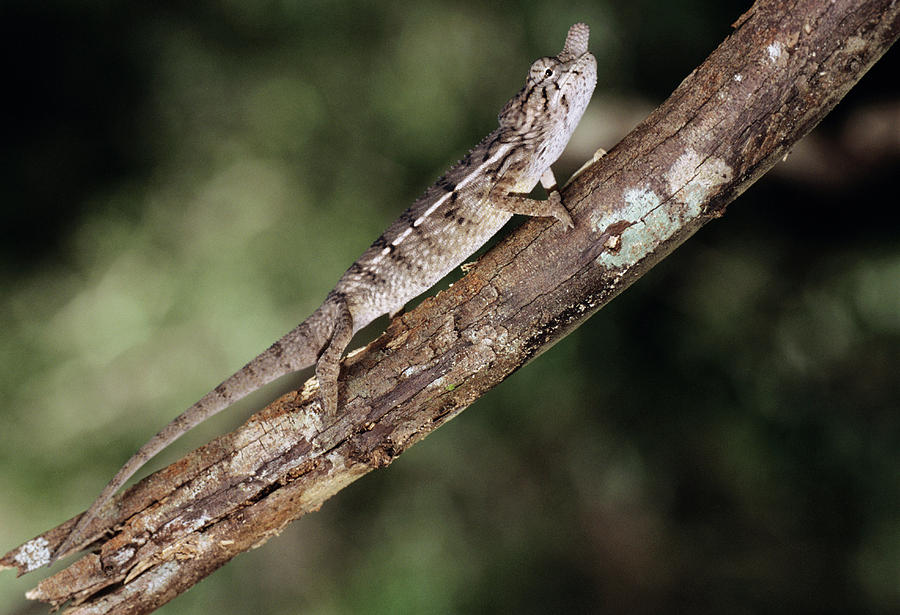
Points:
(183, 182)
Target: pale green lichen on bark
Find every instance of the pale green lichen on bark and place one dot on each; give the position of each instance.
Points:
(691, 180)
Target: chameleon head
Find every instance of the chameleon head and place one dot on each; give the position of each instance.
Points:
(556, 92)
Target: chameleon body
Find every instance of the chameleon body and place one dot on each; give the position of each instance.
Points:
(454, 217)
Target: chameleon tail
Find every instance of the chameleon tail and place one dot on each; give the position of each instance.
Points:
(296, 350)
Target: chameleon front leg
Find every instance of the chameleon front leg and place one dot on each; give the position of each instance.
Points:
(328, 365)
(520, 204)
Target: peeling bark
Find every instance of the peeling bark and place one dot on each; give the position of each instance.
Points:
(786, 65)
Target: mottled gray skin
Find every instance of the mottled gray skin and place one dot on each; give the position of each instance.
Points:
(454, 217)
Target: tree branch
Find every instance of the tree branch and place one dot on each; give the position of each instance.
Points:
(783, 69)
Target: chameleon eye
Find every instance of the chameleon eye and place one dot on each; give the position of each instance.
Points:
(541, 69)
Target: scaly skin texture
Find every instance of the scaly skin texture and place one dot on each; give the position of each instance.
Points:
(454, 217)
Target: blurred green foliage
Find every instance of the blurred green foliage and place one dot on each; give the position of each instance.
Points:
(182, 183)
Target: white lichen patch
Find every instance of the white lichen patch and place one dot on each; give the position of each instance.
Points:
(486, 335)
(33, 554)
(338, 462)
(774, 50)
(412, 370)
(307, 422)
(195, 524)
(159, 578)
(121, 557)
(692, 179)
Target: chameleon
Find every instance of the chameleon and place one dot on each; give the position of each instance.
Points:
(454, 218)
